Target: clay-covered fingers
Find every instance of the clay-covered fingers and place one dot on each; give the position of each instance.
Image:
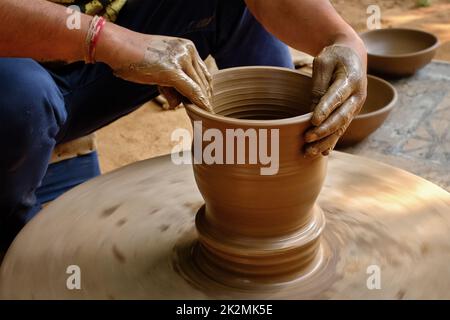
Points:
(202, 70)
(324, 146)
(339, 119)
(339, 91)
(323, 69)
(169, 62)
(204, 77)
(192, 91)
(194, 67)
(193, 73)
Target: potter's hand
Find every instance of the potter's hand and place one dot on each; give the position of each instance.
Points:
(339, 92)
(171, 63)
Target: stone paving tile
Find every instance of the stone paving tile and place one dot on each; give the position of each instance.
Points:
(416, 135)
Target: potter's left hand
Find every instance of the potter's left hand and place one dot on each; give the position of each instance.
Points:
(339, 92)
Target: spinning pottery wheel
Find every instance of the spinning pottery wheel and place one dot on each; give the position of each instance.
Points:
(130, 232)
(239, 229)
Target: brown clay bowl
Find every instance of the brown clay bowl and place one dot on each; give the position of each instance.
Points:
(381, 99)
(399, 52)
(260, 98)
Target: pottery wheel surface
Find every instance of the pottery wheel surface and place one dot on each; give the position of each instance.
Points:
(123, 230)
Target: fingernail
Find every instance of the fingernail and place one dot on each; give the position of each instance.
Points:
(311, 137)
(316, 121)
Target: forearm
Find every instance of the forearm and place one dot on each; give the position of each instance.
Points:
(37, 29)
(306, 25)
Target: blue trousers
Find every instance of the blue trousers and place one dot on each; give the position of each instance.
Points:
(42, 106)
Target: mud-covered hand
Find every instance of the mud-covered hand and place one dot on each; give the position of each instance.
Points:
(171, 63)
(339, 91)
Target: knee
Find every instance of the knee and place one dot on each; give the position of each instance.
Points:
(29, 92)
(31, 107)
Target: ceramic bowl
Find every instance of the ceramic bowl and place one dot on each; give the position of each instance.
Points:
(381, 99)
(399, 52)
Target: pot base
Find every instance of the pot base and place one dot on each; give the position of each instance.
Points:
(121, 230)
(205, 257)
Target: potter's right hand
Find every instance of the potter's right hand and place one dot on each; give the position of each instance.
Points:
(339, 92)
(171, 63)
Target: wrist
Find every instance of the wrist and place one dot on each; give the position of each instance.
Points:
(355, 42)
(108, 44)
(73, 49)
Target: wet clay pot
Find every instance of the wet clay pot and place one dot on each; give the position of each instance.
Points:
(257, 226)
(399, 52)
(381, 99)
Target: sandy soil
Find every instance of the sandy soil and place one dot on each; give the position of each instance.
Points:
(402, 13)
(146, 132)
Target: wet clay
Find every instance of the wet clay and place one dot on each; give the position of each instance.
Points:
(399, 52)
(259, 229)
(174, 65)
(376, 215)
(146, 232)
(338, 93)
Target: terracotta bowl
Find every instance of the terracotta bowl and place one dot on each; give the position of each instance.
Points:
(381, 99)
(244, 207)
(399, 52)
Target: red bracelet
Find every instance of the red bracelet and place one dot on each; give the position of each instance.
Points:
(92, 37)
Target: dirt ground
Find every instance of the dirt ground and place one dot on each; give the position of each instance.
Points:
(146, 132)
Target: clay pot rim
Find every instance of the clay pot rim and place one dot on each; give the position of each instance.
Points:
(403, 55)
(245, 122)
(388, 107)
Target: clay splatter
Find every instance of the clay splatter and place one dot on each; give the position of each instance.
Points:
(121, 222)
(424, 249)
(119, 255)
(164, 227)
(401, 294)
(154, 211)
(110, 211)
